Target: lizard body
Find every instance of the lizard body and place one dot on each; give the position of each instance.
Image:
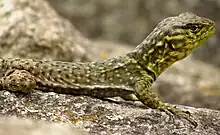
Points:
(129, 76)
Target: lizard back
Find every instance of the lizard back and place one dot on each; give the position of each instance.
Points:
(96, 78)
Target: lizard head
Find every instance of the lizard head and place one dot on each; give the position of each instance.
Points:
(183, 33)
(173, 39)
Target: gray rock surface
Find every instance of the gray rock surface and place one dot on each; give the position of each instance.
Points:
(99, 117)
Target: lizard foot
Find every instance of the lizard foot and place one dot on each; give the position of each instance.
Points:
(173, 111)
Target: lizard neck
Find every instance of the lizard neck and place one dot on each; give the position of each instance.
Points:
(153, 55)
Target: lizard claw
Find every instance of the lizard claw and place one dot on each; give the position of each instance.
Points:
(173, 111)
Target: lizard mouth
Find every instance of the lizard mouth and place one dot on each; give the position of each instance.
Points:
(205, 35)
(208, 33)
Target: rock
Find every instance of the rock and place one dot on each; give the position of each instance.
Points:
(99, 117)
(32, 29)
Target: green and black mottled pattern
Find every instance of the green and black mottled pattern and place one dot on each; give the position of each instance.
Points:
(129, 76)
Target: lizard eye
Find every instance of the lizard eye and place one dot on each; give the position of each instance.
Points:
(193, 28)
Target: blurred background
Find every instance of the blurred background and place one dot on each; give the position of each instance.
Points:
(130, 21)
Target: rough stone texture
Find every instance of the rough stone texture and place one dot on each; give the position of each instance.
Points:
(32, 29)
(131, 20)
(106, 118)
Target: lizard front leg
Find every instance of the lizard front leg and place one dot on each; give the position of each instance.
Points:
(18, 80)
(147, 97)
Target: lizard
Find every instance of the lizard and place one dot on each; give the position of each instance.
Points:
(129, 76)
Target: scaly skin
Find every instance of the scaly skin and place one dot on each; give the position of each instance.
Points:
(129, 76)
